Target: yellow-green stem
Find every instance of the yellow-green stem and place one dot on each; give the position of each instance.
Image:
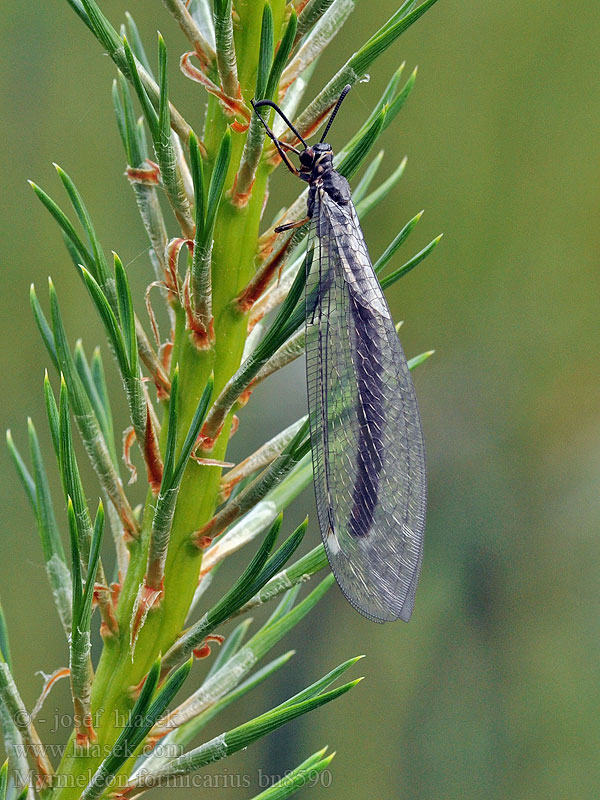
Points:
(235, 236)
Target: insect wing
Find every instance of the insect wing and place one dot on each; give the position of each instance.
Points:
(367, 441)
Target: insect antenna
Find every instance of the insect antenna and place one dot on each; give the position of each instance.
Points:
(271, 104)
(345, 91)
(281, 146)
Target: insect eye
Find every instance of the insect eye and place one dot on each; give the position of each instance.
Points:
(306, 158)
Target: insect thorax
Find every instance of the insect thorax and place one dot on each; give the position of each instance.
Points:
(323, 176)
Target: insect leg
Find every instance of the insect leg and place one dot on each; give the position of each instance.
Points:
(288, 226)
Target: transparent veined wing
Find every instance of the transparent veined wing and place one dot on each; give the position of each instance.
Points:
(367, 441)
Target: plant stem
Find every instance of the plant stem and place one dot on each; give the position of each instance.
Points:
(235, 237)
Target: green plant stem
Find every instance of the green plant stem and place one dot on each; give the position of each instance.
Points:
(235, 236)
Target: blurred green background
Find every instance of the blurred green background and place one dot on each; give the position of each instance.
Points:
(493, 690)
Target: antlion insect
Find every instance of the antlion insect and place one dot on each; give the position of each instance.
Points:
(367, 442)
